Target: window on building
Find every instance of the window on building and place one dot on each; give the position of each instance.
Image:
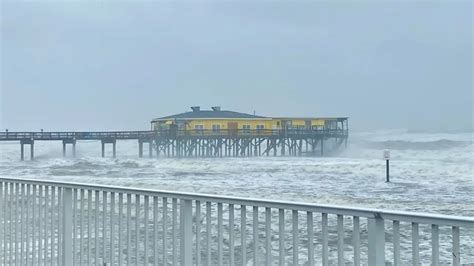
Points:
(330, 124)
(260, 127)
(199, 128)
(246, 128)
(216, 128)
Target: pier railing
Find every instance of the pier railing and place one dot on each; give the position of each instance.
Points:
(79, 224)
(77, 135)
(117, 135)
(251, 132)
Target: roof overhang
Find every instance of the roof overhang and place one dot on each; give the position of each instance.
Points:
(207, 118)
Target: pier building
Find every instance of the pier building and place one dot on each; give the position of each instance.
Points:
(217, 119)
(218, 132)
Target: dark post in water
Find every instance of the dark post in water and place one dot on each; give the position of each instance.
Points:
(386, 156)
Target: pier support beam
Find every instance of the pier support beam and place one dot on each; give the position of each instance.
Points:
(140, 148)
(322, 147)
(73, 143)
(314, 142)
(150, 149)
(111, 141)
(23, 142)
(274, 144)
(282, 143)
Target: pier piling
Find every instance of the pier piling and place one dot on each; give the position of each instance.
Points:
(112, 141)
(73, 144)
(140, 148)
(322, 147)
(150, 149)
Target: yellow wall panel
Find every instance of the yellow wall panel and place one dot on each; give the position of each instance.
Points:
(298, 122)
(273, 123)
(317, 122)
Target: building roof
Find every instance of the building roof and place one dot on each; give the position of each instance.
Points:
(210, 114)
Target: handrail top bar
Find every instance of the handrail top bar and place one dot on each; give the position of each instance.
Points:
(72, 132)
(424, 218)
(161, 130)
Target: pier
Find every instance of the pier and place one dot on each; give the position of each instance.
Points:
(212, 133)
(71, 138)
(199, 143)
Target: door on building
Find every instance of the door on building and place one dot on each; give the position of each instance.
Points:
(286, 124)
(173, 129)
(232, 127)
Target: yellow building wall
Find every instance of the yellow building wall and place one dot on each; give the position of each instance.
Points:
(274, 123)
(207, 123)
(317, 122)
(298, 122)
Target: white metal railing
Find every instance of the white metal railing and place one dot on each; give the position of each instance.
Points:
(57, 223)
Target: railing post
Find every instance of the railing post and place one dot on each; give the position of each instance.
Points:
(186, 215)
(67, 227)
(376, 240)
(456, 252)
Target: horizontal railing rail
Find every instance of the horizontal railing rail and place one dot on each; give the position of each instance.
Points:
(71, 223)
(252, 132)
(76, 135)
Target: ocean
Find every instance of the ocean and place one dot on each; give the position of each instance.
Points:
(429, 172)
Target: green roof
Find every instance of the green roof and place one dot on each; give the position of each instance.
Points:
(210, 114)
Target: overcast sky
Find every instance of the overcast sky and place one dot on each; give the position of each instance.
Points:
(106, 66)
